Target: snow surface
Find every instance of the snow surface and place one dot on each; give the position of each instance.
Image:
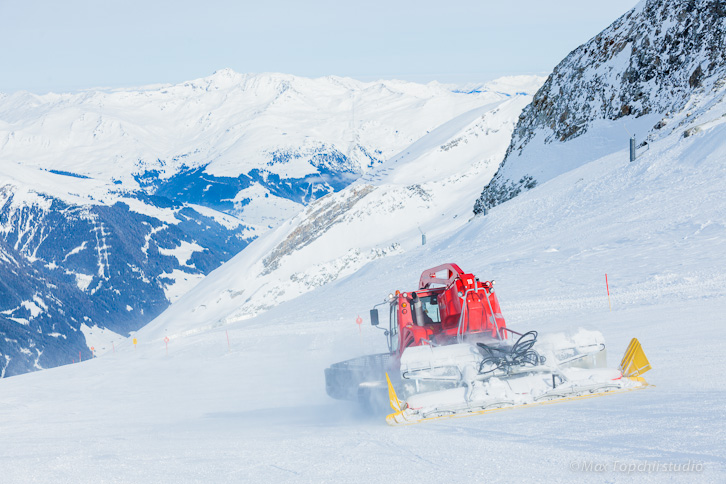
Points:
(510, 85)
(183, 252)
(181, 282)
(243, 400)
(102, 340)
(232, 122)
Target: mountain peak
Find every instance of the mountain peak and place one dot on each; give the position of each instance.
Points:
(644, 70)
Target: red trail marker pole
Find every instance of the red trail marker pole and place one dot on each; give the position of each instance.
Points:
(79, 356)
(607, 286)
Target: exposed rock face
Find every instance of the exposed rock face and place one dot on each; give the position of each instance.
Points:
(319, 219)
(660, 58)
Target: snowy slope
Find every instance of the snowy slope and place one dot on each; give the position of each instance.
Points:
(657, 69)
(426, 188)
(227, 384)
(255, 409)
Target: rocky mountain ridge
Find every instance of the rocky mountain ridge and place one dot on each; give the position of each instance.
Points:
(656, 69)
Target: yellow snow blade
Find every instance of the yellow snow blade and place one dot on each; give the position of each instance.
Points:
(395, 402)
(397, 418)
(403, 418)
(634, 361)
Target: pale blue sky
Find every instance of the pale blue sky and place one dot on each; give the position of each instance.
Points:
(67, 45)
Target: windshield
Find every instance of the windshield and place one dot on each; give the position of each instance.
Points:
(430, 306)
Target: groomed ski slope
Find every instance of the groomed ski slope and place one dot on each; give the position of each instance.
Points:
(256, 410)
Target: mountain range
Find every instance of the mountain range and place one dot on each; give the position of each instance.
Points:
(227, 383)
(114, 203)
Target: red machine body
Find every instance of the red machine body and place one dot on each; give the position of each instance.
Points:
(448, 304)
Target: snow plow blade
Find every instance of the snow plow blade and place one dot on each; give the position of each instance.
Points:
(502, 393)
(401, 418)
(634, 362)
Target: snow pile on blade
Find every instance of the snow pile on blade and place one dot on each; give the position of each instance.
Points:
(478, 377)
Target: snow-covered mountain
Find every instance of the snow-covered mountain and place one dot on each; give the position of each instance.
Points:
(425, 190)
(228, 140)
(114, 203)
(76, 258)
(227, 384)
(659, 68)
(244, 400)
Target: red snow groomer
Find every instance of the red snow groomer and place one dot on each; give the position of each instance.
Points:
(451, 354)
(447, 306)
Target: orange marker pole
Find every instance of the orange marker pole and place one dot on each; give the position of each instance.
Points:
(79, 356)
(608, 289)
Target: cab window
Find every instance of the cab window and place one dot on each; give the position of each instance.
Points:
(430, 306)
